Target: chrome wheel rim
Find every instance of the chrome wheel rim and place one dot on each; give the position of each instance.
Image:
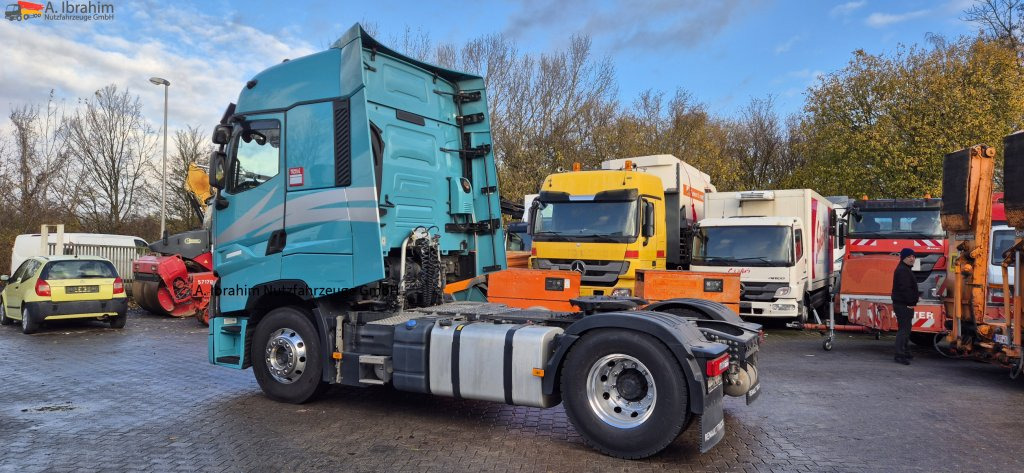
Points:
(621, 391)
(286, 355)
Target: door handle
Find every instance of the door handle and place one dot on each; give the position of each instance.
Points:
(276, 242)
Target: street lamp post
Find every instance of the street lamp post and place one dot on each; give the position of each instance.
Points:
(163, 174)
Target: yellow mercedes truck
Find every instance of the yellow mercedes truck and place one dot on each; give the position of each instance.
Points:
(633, 214)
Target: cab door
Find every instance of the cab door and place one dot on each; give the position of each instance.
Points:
(251, 217)
(16, 286)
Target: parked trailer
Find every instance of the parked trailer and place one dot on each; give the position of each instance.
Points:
(344, 287)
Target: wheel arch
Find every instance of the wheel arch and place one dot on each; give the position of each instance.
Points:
(713, 310)
(682, 340)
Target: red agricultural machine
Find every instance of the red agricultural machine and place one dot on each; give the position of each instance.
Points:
(177, 278)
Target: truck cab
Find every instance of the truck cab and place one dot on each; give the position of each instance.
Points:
(779, 241)
(765, 251)
(633, 214)
(13, 12)
(878, 230)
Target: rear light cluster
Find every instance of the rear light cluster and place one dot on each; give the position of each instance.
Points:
(632, 253)
(42, 288)
(718, 365)
(118, 286)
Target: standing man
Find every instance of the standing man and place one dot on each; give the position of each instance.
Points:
(904, 298)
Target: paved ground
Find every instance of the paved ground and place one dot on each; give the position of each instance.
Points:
(80, 396)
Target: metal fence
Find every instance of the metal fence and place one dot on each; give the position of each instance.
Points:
(121, 256)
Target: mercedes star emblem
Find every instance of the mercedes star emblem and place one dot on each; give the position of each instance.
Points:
(578, 266)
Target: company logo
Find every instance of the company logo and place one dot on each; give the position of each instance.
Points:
(578, 266)
(23, 11)
(738, 270)
(63, 11)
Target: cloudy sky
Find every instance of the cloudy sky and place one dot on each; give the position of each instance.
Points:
(722, 51)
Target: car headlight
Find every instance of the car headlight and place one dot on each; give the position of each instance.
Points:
(783, 307)
(621, 292)
(783, 291)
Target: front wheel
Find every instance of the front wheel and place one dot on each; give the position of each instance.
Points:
(286, 356)
(4, 319)
(624, 393)
(924, 339)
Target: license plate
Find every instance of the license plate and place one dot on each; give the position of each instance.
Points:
(1000, 338)
(81, 289)
(714, 383)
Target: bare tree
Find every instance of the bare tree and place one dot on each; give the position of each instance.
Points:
(756, 141)
(192, 146)
(40, 156)
(1000, 19)
(111, 141)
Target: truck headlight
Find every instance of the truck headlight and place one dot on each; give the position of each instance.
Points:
(783, 307)
(622, 292)
(782, 291)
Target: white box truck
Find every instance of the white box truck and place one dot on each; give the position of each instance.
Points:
(781, 243)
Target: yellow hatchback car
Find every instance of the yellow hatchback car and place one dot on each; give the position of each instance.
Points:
(63, 287)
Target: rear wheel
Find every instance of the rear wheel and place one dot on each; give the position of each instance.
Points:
(923, 339)
(624, 393)
(28, 322)
(4, 320)
(286, 356)
(119, 321)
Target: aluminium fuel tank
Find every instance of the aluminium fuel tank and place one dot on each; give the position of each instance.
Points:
(491, 362)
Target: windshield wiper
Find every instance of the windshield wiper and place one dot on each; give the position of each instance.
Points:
(761, 259)
(598, 236)
(552, 236)
(917, 234)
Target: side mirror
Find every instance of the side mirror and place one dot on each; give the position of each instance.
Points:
(534, 213)
(647, 230)
(221, 134)
(218, 162)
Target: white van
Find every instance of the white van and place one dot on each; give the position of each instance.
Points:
(119, 249)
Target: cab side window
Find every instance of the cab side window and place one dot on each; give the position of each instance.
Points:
(255, 155)
(798, 240)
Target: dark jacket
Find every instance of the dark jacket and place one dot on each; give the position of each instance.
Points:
(904, 286)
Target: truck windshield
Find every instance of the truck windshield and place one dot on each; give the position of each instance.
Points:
(892, 223)
(743, 246)
(615, 222)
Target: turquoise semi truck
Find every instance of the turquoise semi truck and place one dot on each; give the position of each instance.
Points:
(353, 184)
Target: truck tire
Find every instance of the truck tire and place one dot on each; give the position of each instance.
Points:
(923, 339)
(286, 356)
(625, 393)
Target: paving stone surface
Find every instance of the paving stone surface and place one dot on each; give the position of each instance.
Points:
(82, 397)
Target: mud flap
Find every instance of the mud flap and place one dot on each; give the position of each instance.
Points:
(712, 422)
(754, 393)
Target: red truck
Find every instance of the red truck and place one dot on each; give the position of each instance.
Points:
(878, 230)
